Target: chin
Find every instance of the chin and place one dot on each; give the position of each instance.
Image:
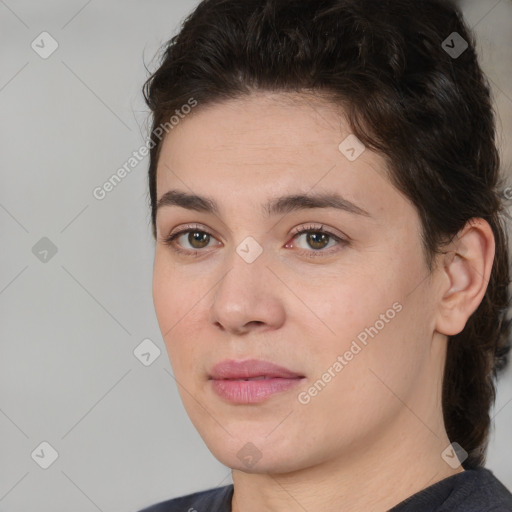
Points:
(258, 457)
(276, 464)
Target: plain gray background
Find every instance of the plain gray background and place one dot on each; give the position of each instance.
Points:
(70, 321)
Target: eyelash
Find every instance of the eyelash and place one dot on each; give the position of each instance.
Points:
(300, 231)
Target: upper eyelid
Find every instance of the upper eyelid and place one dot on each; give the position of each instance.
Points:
(187, 229)
(305, 228)
(320, 229)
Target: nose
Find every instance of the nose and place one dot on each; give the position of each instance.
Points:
(248, 297)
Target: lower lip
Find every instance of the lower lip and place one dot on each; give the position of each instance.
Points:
(252, 391)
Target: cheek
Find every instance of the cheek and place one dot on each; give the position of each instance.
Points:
(164, 293)
(175, 305)
(353, 299)
(372, 311)
(176, 293)
(358, 393)
(384, 337)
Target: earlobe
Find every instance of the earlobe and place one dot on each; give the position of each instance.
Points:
(467, 266)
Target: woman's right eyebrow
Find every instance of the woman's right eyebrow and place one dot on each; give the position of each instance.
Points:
(188, 201)
(277, 206)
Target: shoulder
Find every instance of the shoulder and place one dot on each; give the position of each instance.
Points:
(478, 490)
(214, 500)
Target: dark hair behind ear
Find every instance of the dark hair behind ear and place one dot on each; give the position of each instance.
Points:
(393, 66)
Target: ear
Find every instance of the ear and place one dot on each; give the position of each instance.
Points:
(466, 269)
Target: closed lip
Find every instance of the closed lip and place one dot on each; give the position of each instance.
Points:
(250, 368)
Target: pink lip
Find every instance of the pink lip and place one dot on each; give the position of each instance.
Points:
(228, 380)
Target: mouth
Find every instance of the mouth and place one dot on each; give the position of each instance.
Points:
(251, 381)
(250, 369)
(260, 377)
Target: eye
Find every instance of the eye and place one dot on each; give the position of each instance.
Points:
(195, 236)
(192, 240)
(197, 239)
(318, 239)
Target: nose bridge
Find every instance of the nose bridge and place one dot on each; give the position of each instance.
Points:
(246, 269)
(243, 294)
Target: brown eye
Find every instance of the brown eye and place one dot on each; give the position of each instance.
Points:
(317, 240)
(314, 241)
(190, 241)
(198, 239)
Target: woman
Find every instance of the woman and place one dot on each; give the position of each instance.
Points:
(331, 266)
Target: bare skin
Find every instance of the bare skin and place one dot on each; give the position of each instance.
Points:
(374, 434)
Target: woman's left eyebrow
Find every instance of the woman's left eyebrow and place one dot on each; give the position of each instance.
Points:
(287, 204)
(277, 206)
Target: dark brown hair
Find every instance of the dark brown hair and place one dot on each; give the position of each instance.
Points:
(426, 110)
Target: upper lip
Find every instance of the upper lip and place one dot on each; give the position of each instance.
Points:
(249, 368)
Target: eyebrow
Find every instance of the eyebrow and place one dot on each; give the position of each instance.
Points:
(277, 206)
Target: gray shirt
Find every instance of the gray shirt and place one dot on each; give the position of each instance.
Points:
(474, 490)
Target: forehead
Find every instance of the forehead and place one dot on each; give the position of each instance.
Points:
(261, 133)
(268, 144)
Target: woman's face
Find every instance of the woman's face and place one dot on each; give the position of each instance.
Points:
(349, 313)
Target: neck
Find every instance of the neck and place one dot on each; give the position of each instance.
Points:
(402, 460)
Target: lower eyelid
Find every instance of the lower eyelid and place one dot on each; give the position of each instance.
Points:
(333, 236)
(328, 251)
